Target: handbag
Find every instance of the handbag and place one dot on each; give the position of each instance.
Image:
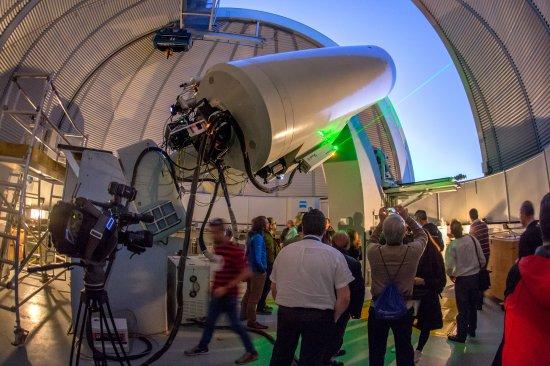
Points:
(484, 277)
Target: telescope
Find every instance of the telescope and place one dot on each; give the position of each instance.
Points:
(263, 118)
(280, 110)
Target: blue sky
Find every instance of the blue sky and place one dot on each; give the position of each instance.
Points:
(429, 96)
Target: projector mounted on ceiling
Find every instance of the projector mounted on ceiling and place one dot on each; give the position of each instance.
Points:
(197, 21)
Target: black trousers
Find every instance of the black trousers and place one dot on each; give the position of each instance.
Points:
(313, 325)
(378, 337)
(267, 288)
(467, 297)
(337, 337)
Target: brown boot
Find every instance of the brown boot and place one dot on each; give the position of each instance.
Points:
(246, 358)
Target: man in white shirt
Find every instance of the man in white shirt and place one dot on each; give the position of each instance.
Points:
(310, 284)
(463, 260)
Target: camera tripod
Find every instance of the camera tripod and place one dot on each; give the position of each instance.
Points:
(94, 298)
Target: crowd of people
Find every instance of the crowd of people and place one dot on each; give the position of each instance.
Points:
(315, 275)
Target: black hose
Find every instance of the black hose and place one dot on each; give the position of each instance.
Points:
(187, 180)
(232, 218)
(167, 158)
(179, 166)
(181, 266)
(248, 168)
(148, 349)
(203, 225)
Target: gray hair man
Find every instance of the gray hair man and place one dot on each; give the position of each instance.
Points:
(393, 262)
(340, 241)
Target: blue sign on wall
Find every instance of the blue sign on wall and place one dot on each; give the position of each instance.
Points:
(302, 204)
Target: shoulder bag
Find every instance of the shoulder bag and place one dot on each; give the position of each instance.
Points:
(484, 277)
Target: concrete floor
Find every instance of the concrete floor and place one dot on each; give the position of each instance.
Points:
(47, 317)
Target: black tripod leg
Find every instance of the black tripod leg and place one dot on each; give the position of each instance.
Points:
(83, 325)
(116, 332)
(98, 357)
(110, 334)
(75, 330)
(101, 332)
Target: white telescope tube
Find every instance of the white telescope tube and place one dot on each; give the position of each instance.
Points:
(294, 101)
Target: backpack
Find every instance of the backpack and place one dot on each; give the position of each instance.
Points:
(390, 304)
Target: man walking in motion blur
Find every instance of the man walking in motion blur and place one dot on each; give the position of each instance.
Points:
(224, 292)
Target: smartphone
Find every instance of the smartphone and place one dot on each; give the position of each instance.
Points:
(391, 210)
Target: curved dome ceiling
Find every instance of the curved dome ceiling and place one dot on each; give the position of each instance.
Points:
(118, 87)
(502, 51)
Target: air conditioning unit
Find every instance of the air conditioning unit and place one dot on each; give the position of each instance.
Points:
(196, 288)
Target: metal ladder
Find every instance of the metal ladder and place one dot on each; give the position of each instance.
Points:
(31, 116)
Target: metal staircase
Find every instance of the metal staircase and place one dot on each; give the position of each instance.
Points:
(32, 165)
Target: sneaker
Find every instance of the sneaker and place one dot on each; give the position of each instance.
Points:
(456, 338)
(417, 355)
(196, 351)
(256, 326)
(246, 358)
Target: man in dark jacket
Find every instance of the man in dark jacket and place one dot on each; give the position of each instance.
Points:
(431, 228)
(531, 238)
(340, 241)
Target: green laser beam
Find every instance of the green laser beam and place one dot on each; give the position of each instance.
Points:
(414, 91)
(424, 83)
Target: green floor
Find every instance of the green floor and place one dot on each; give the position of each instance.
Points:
(355, 344)
(48, 317)
(438, 351)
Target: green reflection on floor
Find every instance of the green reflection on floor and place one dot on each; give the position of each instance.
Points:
(438, 351)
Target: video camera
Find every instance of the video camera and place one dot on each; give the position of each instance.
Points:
(91, 230)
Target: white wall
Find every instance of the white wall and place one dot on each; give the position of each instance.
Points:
(248, 207)
(497, 197)
(344, 189)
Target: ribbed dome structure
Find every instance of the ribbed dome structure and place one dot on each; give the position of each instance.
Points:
(119, 88)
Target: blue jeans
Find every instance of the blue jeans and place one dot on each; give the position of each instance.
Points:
(228, 305)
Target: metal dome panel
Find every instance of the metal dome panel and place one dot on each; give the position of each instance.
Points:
(502, 54)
